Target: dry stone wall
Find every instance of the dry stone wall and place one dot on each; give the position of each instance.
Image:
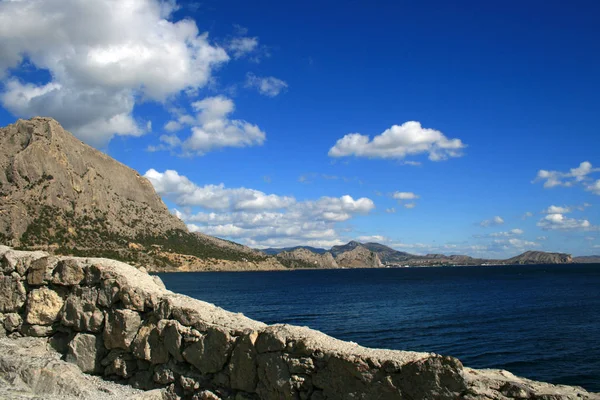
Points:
(113, 320)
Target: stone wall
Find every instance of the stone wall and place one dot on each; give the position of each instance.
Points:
(113, 320)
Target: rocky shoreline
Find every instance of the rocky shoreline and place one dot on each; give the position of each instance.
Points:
(111, 320)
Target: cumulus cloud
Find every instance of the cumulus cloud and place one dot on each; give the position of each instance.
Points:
(102, 56)
(398, 142)
(574, 176)
(255, 217)
(372, 238)
(565, 209)
(492, 222)
(268, 86)
(211, 128)
(242, 46)
(560, 222)
(594, 187)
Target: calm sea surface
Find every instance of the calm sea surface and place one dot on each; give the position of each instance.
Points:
(541, 322)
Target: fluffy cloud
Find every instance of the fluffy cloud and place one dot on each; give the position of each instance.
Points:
(406, 196)
(102, 56)
(574, 176)
(268, 86)
(372, 238)
(257, 218)
(211, 128)
(398, 142)
(492, 222)
(560, 222)
(242, 46)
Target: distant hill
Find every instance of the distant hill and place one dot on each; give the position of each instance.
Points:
(587, 259)
(540, 257)
(274, 251)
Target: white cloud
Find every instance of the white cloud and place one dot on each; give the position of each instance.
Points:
(576, 175)
(398, 142)
(254, 217)
(542, 238)
(512, 232)
(212, 128)
(594, 187)
(242, 46)
(372, 238)
(560, 222)
(390, 210)
(405, 196)
(492, 222)
(102, 56)
(528, 214)
(565, 209)
(268, 86)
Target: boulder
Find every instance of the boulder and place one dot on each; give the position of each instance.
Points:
(109, 292)
(148, 345)
(120, 328)
(211, 352)
(170, 331)
(12, 294)
(68, 273)
(242, 365)
(86, 351)
(12, 322)
(43, 306)
(80, 310)
(40, 271)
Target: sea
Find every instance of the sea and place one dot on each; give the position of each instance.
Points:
(539, 321)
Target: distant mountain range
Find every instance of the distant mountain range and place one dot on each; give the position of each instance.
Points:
(60, 195)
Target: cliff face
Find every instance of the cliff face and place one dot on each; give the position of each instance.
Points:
(358, 257)
(113, 320)
(304, 258)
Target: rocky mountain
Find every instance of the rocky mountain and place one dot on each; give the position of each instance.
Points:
(358, 257)
(387, 254)
(305, 258)
(539, 257)
(59, 194)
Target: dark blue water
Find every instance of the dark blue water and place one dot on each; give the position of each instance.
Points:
(541, 322)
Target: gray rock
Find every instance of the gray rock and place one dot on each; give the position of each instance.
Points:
(271, 339)
(242, 365)
(86, 351)
(133, 298)
(163, 375)
(119, 362)
(12, 322)
(120, 328)
(12, 294)
(40, 271)
(274, 379)
(109, 292)
(211, 352)
(205, 395)
(37, 330)
(68, 273)
(148, 345)
(80, 311)
(170, 331)
(43, 306)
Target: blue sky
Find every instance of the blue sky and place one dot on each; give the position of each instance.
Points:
(432, 127)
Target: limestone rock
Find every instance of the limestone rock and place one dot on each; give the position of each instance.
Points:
(43, 306)
(304, 258)
(358, 257)
(119, 362)
(37, 330)
(18, 261)
(86, 351)
(68, 273)
(120, 328)
(274, 378)
(170, 331)
(12, 294)
(109, 292)
(211, 352)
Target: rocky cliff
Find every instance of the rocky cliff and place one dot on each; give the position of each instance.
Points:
(304, 258)
(115, 321)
